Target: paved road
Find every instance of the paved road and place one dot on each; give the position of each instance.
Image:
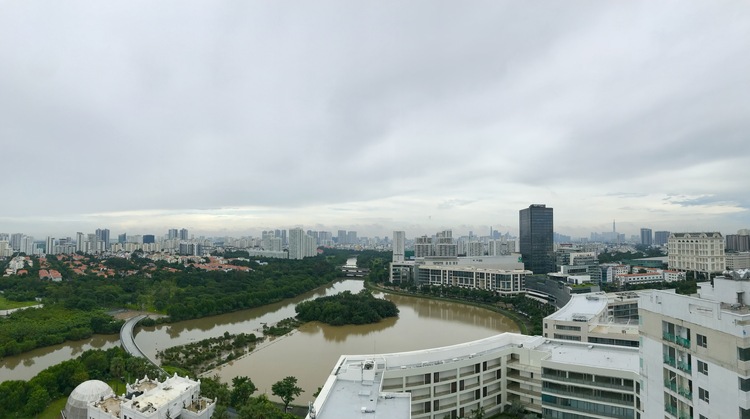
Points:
(128, 340)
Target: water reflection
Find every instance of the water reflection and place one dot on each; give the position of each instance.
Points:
(341, 333)
(308, 353)
(29, 364)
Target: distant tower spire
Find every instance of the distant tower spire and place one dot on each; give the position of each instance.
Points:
(613, 226)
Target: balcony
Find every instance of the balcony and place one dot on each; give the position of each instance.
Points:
(670, 385)
(670, 361)
(686, 393)
(683, 366)
(672, 410)
(685, 343)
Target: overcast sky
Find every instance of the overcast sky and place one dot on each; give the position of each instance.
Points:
(233, 117)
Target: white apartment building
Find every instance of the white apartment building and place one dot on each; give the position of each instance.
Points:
(740, 260)
(558, 379)
(399, 246)
(695, 351)
(504, 281)
(605, 318)
(300, 244)
(699, 252)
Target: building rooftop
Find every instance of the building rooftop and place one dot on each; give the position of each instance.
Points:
(591, 355)
(356, 391)
(582, 307)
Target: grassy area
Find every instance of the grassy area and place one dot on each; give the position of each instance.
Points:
(53, 410)
(5, 304)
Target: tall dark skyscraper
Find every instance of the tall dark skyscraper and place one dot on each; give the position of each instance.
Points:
(647, 237)
(536, 233)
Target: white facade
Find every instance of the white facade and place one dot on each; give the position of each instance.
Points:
(610, 319)
(498, 280)
(695, 351)
(700, 252)
(175, 397)
(399, 246)
(739, 260)
(550, 377)
(300, 244)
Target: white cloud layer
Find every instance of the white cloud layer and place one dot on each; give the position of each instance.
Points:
(233, 116)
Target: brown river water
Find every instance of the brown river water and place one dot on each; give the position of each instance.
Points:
(308, 353)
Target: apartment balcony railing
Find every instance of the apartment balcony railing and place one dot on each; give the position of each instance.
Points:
(686, 393)
(685, 343)
(672, 410)
(670, 385)
(683, 366)
(670, 361)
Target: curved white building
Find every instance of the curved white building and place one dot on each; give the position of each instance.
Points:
(556, 378)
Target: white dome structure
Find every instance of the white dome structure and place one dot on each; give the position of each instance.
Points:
(86, 392)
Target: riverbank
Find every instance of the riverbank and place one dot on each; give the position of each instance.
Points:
(523, 323)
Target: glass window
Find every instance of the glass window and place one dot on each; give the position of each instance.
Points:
(703, 394)
(701, 340)
(743, 354)
(702, 367)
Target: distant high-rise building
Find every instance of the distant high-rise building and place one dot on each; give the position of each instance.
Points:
(399, 246)
(475, 248)
(423, 247)
(103, 236)
(737, 243)
(351, 237)
(149, 238)
(184, 234)
(15, 241)
(172, 234)
(647, 238)
(536, 231)
(27, 245)
(341, 237)
(49, 247)
(300, 244)
(661, 238)
(122, 238)
(80, 242)
(444, 244)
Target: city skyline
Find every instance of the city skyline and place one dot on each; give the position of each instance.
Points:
(237, 118)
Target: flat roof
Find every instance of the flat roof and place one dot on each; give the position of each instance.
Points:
(355, 393)
(581, 307)
(592, 355)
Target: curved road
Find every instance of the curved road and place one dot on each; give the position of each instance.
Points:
(127, 339)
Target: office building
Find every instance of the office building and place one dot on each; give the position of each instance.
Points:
(184, 234)
(149, 238)
(536, 238)
(647, 238)
(122, 238)
(698, 252)
(399, 246)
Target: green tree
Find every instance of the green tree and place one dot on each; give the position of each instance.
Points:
(262, 408)
(37, 401)
(287, 390)
(242, 389)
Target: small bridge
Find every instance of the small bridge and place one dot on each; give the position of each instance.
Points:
(127, 339)
(354, 271)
